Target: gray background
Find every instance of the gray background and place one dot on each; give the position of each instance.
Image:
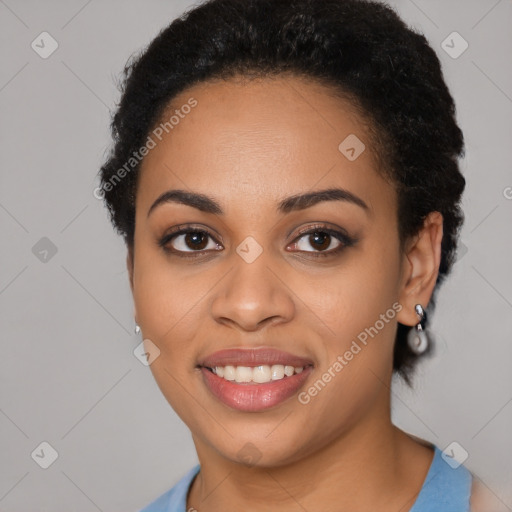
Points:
(68, 373)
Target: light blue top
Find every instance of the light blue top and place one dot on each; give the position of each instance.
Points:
(445, 489)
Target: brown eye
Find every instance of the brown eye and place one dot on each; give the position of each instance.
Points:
(196, 241)
(322, 241)
(318, 240)
(189, 241)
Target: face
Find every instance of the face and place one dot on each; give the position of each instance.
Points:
(250, 264)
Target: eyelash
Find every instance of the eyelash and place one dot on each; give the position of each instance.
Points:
(345, 240)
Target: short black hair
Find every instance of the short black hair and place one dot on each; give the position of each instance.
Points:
(362, 49)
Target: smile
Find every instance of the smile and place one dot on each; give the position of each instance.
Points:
(257, 374)
(254, 379)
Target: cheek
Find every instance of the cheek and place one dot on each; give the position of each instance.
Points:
(360, 307)
(352, 296)
(167, 300)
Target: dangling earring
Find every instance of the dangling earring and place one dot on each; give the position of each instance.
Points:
(137, 329)
(417, 338)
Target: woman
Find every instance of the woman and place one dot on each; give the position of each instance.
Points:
(285, 177)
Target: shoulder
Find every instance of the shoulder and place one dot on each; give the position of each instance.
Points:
(175, 499)
(446, 487)
(484, 500)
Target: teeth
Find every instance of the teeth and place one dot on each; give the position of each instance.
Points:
(277, 371)
(261, 374)
(258, 374)
(243, 374)
(229, 372)
(288, 370)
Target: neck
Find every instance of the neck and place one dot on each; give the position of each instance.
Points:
(373, 466)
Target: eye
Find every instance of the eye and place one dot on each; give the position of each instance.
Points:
(188, 240)
(319, 240)
(322, 241)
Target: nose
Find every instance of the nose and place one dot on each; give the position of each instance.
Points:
(252, 297)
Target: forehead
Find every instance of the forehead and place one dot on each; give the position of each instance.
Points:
(261, 140)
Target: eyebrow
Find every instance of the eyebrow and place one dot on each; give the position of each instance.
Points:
(296, 202)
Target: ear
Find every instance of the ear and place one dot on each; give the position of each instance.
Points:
(420, 268)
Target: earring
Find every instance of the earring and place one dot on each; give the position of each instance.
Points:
(417, 338)
(137, 329)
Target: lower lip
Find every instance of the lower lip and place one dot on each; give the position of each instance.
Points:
(252, 397)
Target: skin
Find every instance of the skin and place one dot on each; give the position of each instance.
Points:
(248, 145)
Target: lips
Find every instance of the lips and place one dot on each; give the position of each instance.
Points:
(253, 396)
(253, 357)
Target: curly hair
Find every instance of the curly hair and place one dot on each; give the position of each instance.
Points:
(360, 49)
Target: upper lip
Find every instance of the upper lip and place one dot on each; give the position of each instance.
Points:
(253, 357)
